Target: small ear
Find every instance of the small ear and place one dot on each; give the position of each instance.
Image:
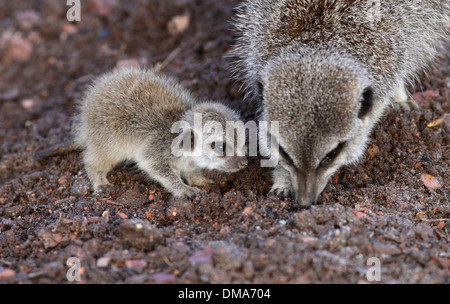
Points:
(366, 102)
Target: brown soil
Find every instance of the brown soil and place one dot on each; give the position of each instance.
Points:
(384, 207)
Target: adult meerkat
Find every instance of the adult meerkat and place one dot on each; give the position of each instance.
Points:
(135, 115)
(326, 70)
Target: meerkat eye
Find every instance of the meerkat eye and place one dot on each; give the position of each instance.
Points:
(219, 147)
(331, 155)
(366, 102)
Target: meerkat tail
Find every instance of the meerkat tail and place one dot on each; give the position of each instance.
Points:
(60, 149)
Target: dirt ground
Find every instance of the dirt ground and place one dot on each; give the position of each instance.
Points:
(393, 205)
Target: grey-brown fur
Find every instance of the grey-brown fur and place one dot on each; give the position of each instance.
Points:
(327, 70)
(129, 115)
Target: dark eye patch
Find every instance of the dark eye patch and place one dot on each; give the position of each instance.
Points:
(366, 102)
(284, 154)
(287, 157)
(331, 155)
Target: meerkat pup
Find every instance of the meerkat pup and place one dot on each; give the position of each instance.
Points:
(141, 116)
(326, 70)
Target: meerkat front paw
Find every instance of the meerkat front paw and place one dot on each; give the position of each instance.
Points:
(186, 191)
(97, 172)
(101, 185)
(282, 184)
(192, 191)
(196, 179)
(407, 105)
(282, 191)
(402, 102)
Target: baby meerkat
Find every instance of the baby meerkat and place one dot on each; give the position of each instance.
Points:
(136, 115)
(326, 70)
